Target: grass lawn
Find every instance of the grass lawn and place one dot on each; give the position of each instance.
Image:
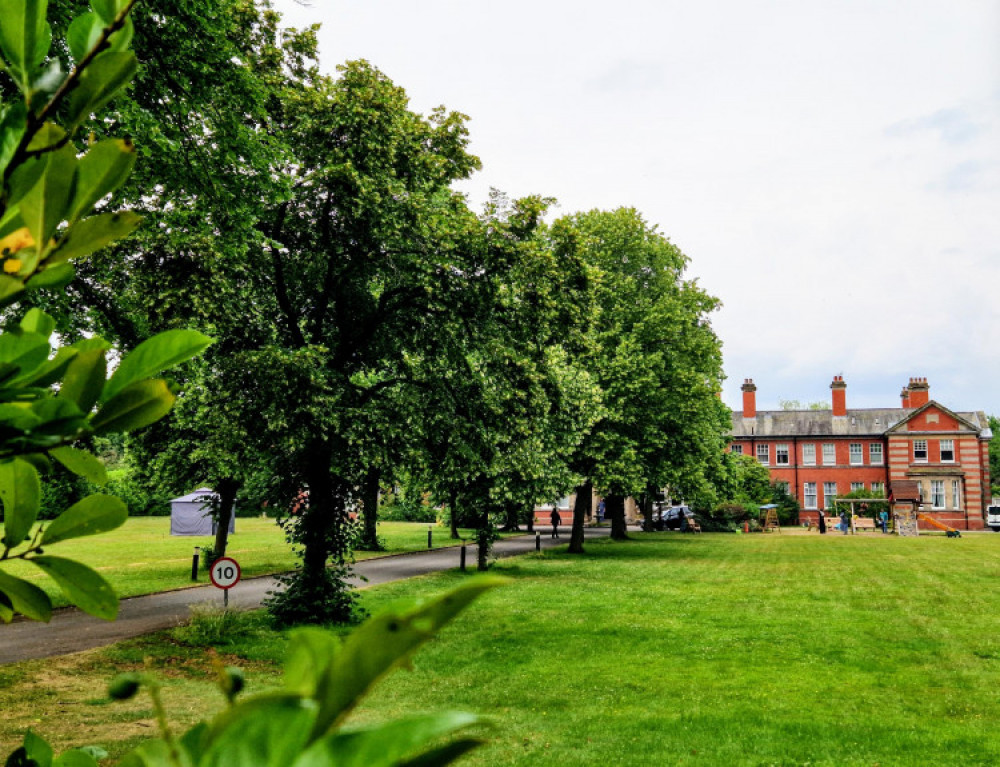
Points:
(141, 557)
(670, 649)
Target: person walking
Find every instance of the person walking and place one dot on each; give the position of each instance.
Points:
(883, 519)
(845, 522)
(556, 519)
(822, 522)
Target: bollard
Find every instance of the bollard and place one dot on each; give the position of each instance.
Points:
(429, 533)
(462, 559)
(194, 563)
(538, 541)
(746, 527)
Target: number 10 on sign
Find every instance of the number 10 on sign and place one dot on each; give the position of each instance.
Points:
(225, 574)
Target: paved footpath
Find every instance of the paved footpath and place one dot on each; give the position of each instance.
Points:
(71, 630)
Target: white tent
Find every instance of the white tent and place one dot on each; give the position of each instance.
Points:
(192, 514)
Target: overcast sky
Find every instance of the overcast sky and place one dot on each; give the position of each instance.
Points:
(832, 169)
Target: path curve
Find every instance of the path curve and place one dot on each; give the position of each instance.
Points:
(71, 630)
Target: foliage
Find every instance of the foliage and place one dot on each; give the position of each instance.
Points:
(303, 723)
(869, 509)
(995, 456)
(55, 400)
(788, 504)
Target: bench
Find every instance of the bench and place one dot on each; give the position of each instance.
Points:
(865, 523)
(693, 526)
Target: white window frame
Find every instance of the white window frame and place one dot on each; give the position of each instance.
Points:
(919, 446)
(765, 451)
(855, 486)
(809, 454)
(857, 453)
(829, 455)
(937, 493)
(875, 453)
(956, 494)
(951, 449)
(781, 451)
(807, 495)
(736, 448)
(877, 488)
(829, 493)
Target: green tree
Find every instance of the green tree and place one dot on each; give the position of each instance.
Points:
(994, 423)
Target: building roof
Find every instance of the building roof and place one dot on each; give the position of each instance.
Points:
(818, 423)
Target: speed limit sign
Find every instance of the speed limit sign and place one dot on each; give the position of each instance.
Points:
(225, 573)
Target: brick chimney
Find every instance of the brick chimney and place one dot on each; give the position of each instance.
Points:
(919, 392)
(839, 394)
(749, 398)
(904, 397)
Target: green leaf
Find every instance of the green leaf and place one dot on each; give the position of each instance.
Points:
(20, 492)
(266, 731)
(81, 585)
(446, 754)
(25, 35)
(108, 73)
(24, 351)
(107, 10)
(46, 204)
(37, 321)
(37, 749)
(26, 598)
(83, 34)
(48, 135)
(12, 128)
(383, 745)
(49, 372)
(94, 514)
(382, 643)
(18, 416)
(9, 289)
(137, 405)
(52, 277)
(102, 170)
(153, 753)
(84, 379)
(83, 463)
(93, 233)
(75, 758)
(154, 355)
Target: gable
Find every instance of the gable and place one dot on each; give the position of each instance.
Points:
(933, 418)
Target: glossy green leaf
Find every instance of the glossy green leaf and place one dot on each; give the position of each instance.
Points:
(83, 463)
(37, 321)
(137, 405)
(75, 758)
(40, 461)
(93, 233)
(384, 745)
(25, 351)
(81, 585)
(102, 170)
(52, 277)
(83, 34)
(20, 492)
(25, 35)
(49, 372)
(37, 749)
(9, 289)
(155, 355)
(267, 731)
(48, 135)
(108, 73)
(107, 10)
(18, 416)
(382, 643)
(26, 598)
(12, 127)
(94, 514)
(85, 378)
(46, 204)
(6, 611)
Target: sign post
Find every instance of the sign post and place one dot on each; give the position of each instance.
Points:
(225, 574)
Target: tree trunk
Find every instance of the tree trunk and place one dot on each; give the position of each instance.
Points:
(319, 516)
(453, 513)
(614, 507)
(369, 501)
(647, 508)
(530, 516)
(227, 489)
(511, 512)
(581, 511)
(483, 543)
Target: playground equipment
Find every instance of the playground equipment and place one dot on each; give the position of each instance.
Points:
(951, 532)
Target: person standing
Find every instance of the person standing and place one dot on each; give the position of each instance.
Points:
(600, 512)
(556, 519)
(883, 518)
(845, 519)
(822, 522)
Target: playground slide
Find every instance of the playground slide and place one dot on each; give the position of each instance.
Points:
(952, 532)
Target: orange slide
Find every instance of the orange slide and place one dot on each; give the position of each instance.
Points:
(951, 531)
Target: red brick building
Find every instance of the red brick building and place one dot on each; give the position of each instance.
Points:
(821, 454)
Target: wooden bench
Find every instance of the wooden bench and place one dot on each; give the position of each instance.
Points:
(693, 526)
(865, 523)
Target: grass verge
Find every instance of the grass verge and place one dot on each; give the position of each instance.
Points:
(695, 650)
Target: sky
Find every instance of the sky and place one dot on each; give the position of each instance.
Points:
(831, 168)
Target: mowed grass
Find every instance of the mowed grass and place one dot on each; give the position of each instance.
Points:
(669, 649)
(141, 557)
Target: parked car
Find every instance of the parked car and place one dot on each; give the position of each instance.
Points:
(993, 518)
(670, 518)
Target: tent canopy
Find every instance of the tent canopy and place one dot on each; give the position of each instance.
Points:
(191, 514)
